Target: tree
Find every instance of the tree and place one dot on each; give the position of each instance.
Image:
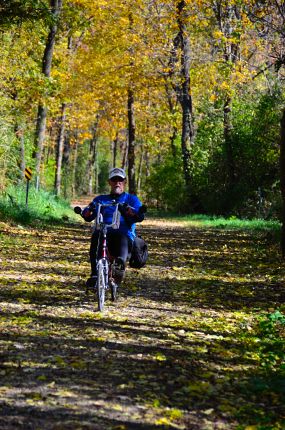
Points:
(59, 150)
(56, 6)
(282, 180)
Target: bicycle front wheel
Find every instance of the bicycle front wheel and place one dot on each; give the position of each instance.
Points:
(102, 282)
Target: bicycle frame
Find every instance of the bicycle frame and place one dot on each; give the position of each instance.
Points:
(104, 272)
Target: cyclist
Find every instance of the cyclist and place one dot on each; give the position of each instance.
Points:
(119, 241)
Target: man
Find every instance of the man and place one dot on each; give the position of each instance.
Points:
(119, 241)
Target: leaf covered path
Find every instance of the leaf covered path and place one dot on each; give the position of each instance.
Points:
(179, 350)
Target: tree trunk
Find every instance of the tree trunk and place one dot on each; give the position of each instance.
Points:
(59, 151)
(174, 133)
(147, 164)
(282, 180)
(131, 143)
(92, 159)
(75, 153)
(185, 98)
(228, 127)
(115, 149)
(66, 164)
(172, 142)
(96, 174)
(140, 168)
(46, 70)
(66, 149)
(131, 118)
(182, 86)
(20, 136)
(125, 155)
(39, 140)
(226, 16)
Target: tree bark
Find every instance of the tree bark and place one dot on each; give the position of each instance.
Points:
(91, 165)
(186, 98)
(131, 143)
(20, 136)
(66, 149)
(125, 155)
(115, 149)
(59, 151)
(174, 133)
(228, 127)
(282, 180)
(225, 18)
(140, 168)
(66, 164)
(183, 89)
(56, 6)
(75, 153)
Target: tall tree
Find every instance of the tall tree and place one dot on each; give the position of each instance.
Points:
(131, 118)
(282, 180)
(181, 52)
(59, 150)
(228, 19)
(56, 6)
(91, 165)
(131, 142)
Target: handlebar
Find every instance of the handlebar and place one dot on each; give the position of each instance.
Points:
(77, 210)
(116, 216)
(99, 218)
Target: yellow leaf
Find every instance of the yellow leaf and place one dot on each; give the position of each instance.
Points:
(160, 357)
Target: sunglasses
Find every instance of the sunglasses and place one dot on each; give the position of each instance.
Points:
(117, 179)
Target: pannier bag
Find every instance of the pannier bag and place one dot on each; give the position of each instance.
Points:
(139, 253)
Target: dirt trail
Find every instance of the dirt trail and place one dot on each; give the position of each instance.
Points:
(177, 351)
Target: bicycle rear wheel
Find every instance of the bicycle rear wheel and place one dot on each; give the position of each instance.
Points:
(101, 284)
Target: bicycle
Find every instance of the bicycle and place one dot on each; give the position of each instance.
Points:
(105, 262)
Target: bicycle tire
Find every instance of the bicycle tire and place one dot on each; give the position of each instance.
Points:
(101, 285)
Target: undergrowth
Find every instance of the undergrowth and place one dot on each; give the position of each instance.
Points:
(42, 207)
(272, 347)
(220, 222)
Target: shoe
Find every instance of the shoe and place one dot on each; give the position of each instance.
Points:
(118, 270)
(91, 282)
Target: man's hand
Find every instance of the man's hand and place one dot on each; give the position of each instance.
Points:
(125, 209)
(130, 214)
(89, 212)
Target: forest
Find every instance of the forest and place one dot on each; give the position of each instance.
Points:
(186, 95)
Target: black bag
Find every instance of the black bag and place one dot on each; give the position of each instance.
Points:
(139, 253)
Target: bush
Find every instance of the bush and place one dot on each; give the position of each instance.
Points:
(165, 186)
(224, 190)
(272, 350)
(42, 206)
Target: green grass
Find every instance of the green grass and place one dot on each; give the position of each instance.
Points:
(219, 222)
(43, 207)
(233, 222)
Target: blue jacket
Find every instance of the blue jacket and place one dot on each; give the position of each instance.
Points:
(127, 222)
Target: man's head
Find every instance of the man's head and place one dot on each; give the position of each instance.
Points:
(117, 180)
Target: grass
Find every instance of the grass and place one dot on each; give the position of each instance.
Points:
(43, 207)
(219, 222)
(233, 222)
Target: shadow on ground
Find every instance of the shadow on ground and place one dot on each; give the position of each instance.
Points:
(177, 351)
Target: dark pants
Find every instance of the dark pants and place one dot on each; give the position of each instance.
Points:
(119, 245)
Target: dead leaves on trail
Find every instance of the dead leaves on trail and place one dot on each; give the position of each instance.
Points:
(179, 350)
